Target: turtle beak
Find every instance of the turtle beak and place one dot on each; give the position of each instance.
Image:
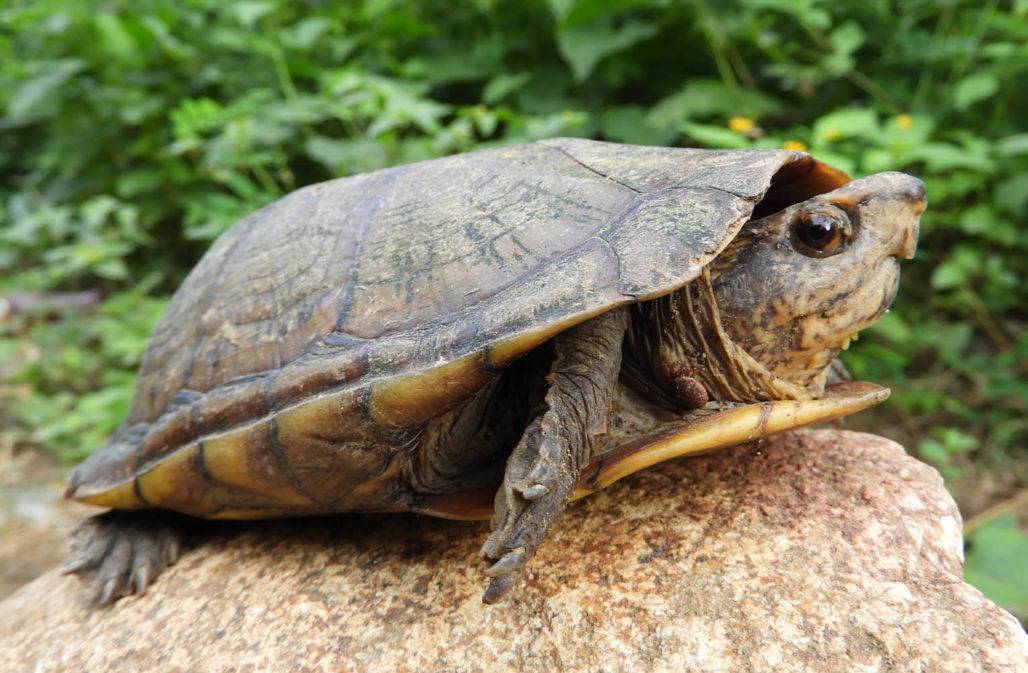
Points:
(912, 193)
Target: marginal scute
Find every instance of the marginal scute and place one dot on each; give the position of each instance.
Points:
(122, 496)
(330, 446)
(246, 459)
(323, 373)
(408, 401)
(177, 483)
(651, 253)
(177, 429)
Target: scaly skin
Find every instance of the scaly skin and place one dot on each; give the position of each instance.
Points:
(543, 469)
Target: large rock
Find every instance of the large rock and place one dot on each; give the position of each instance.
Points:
(819, 551)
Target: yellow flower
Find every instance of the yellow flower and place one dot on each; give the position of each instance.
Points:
(905, 122)
(740, 124)
(794, 145)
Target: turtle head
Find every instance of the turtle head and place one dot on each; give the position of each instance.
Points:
(797, 285)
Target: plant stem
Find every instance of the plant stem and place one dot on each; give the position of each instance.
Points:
(711, 31)
(924, 80)
(1001, 508)
(858, 78)
(985, 319)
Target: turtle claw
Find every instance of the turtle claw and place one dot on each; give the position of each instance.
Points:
(534, 492)
(106, 595)
(519, 524)
(73, 566)
(141, 577)
(123, 552)
(498, 588)
(508, 563)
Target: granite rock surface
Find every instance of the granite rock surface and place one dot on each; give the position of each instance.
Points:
(815, 551)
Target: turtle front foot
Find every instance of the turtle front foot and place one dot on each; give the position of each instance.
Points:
(543, 468)
(532, 497)
(121, 553)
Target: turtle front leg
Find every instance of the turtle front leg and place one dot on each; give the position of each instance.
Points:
(543, 469)
(123, 551)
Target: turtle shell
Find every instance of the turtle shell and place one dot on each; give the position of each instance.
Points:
(299, 360)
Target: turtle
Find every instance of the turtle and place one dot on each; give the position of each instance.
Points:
(492, 335)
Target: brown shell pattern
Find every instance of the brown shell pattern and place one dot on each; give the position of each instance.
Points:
(350, 312)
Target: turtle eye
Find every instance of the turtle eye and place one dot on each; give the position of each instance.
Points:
(821, 234)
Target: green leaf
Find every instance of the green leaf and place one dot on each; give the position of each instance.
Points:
(893, 327)
(1013, 145)
(1011, 194)
(572, 12)
(115, 38)
(194, 117)
(249, 12)
(345, 157)
(947, 275)
(560, 8)
(705, 98)
(974, 88)
(503, 85)
(957, 441)
(715, 136)
(934, 452)
(997, 563)
(629, 124)
(845, 123)
(305, 33)
(477, 62)
(584, 45)
(847, 38)
(33, 94)
(940, 157)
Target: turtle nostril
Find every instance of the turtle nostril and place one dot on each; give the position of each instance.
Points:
(916, 191)
(915, 196)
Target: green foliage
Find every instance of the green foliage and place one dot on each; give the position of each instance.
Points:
(995, 564)
(133, 133)
(73, 379)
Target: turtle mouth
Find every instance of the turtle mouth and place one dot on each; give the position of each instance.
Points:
(884, 294)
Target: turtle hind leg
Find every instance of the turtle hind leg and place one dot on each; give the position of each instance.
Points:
(122, 552)
(544, 467)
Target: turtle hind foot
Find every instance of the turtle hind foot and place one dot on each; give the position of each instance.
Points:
(121, 552)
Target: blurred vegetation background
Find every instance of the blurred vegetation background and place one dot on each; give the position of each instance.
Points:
(133, 132)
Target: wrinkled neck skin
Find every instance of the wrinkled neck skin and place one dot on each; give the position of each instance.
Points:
(681, 334)
(765, 318)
